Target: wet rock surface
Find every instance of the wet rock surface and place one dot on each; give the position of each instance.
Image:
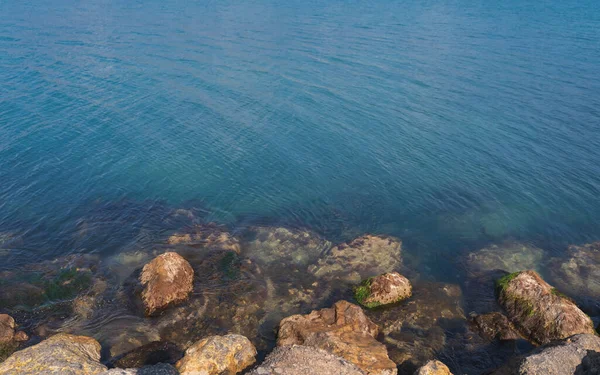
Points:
(7, 328)
(149, 354)
(343, 330)
(159, 369)
(383, 290)
(576, 355)
(359, 259)
(494, 325)
(303, 360)
(60, 354)
(540, 312)
(167, 280)
(433, 368)
(210, 236)
(218, 355)
(508, 257)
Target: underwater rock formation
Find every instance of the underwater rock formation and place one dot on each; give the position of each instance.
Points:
(576, 355)
(540, 312)
(167, 280)
(159, 369)
(508, 257)
(383, 290)
(217, 355)
(61, 354)
(494, 325)
(343, 330)
(433, 368)
(303, 360)
(149, 354)
(210, 236)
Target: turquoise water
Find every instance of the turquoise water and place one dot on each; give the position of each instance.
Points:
(447, 123)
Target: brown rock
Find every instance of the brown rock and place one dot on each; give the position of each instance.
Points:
(433, 368)
(209, 235)
(343, 330)
(61, 354)
(167, 280)
(218, 355)
(21, 336)
(494, 325)
(539, 312)
(383, 289)
(7, 328)
(362, 257)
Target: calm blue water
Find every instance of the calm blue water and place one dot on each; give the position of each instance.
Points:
(446, 123)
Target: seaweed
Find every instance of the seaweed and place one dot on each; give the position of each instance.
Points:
(362, 293)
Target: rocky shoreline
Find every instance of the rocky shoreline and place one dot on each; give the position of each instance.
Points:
(274, 300)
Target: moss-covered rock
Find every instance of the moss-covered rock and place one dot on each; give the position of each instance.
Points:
(537, 310)
(383, 290)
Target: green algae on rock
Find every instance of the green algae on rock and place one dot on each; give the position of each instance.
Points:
(381, 290)
(539, 313)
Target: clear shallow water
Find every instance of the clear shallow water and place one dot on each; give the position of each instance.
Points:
(446, 123)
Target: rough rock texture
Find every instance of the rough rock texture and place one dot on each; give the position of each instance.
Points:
(210, 236)
(159, 369)
(383, 289)
(218, 355)
(416, 330)
(167, 279)
(361, 258)
(576, 355)
(61, 354)
(539, 312)
(296, 247)
(494, 325)
(304, 360)
(509, 257)
(7, 328)
(149, 354)
(343, 330)
(433, 368)
(579, 275)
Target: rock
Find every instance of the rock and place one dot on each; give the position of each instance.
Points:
(272, 245)
(540, 312)
(494, 325)
(433, 368)
(61, 354)
(303, 360)
(343, 330)
(210, 236)
(579, 275)
(7, 328)
(159, 369)
(21, 336)
(150, 354)
(167, 280)
(577, 355)
(508, 257)
(362, 257)
(218, 355)
(383, 290)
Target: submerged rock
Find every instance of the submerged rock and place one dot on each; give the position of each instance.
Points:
(540, 312)
(360, 258)
(218, 355)
(433, 368)
(494, 325)
(343, 330)
(61, 354)
(579, 275)
(383, 290)
(303, 360)
(150, 354)
(167, 280)
(210, 236)
(278, 245)
(576, 355)
(159, 369)
(7, 328)
(508, 257)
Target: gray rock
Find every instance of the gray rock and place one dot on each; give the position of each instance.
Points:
(577, 355)
(302, 360)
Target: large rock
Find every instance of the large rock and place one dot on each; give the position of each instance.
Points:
(579, 275)
(577, 355)
(167, 280)
(343, 330)
(383, 290)
(218, 355)
(61, 354)
(508, 257)
(361, 258)
(433, 368)
(303, 360)
(540, 312)
(7, 328)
